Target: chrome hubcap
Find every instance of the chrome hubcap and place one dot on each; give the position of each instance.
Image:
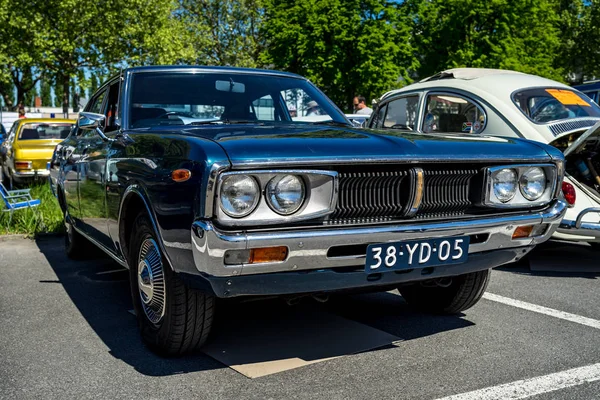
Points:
(151, 281)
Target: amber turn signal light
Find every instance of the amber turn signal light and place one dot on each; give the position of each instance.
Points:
(181, 175)
(268, 254)
(522, 232)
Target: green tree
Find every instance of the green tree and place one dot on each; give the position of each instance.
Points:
(72, 35)
(46, 93)
(223, 32)
(346, 47)
(518, 35)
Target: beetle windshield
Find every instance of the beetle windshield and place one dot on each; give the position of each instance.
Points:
(181, 98)
(544, 105)
(33, 131)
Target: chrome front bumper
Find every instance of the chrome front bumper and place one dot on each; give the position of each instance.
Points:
(308, 248)
(580, 228)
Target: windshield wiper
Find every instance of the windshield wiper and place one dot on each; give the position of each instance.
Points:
(332, 123)
(228, 122)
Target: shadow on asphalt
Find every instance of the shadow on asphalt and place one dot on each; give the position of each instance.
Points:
(99, 288)
(559, 259)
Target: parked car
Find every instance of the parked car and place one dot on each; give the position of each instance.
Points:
(202, 209)
(358, 119)
(590, 89)
(515, 105)
(29, 146)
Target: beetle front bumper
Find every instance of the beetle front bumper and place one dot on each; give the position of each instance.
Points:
(311, 261)
(579, 227)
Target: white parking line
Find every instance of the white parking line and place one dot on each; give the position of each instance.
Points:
(543, 310)
(534, 386)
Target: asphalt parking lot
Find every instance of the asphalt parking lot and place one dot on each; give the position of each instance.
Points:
(66, 332)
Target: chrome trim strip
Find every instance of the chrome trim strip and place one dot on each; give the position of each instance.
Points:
(115, 257)
(210, 183)
(423, 160)
(417, 191)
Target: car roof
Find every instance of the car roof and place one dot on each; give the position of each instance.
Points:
(500, 83)
(588, 86)
(165, 68)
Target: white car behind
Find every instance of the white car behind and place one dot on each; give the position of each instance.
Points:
(507, 103)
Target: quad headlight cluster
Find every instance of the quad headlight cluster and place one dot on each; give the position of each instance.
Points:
(253, 198)
(520, 185)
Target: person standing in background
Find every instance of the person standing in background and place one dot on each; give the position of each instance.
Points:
(360, 106)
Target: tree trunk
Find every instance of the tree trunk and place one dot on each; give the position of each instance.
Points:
(65, 81)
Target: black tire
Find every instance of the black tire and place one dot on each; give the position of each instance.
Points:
(595, 245)
(463, 293)
(182, 321)
(77, 246)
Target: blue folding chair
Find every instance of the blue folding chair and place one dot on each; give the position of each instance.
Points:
(17, 200)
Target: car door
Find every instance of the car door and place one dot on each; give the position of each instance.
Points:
(400, 113)
(93, 172)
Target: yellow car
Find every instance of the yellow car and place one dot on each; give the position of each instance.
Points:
(29, 147)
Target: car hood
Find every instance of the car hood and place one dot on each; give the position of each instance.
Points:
(268, 145)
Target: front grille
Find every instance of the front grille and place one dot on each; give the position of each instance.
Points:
(371, 195)
(446, 192)
(379, 196)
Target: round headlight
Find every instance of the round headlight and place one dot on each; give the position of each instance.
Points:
(533, 183)
(239, 195)
(285, 194)
(505, 184)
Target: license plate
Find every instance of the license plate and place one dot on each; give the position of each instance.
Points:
(416, 254)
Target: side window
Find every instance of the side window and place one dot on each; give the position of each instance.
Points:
(96, 103)
(112, 107)
(452, 114)
(377, 119)
(402, 113)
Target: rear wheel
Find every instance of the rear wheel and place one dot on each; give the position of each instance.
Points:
(174, 319)
(451, 297)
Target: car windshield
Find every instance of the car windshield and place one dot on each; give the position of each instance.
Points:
(176, 98)
(37, 131)
(544, 105)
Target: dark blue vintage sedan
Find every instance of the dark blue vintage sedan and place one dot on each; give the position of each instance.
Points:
(221, 182)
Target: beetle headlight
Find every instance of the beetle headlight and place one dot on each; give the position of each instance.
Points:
(504, 182)
(533, 183)
(239, 195)
(520, 185)
(285, 194)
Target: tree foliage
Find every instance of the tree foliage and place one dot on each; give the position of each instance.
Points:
(223, 32)
(346, 47)
(518, 35)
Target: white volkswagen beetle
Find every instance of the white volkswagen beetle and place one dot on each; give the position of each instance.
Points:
(507, 103)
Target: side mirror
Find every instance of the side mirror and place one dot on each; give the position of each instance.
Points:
(93, 122)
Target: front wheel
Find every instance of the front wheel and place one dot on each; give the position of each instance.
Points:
(458, 294)
(174, 319)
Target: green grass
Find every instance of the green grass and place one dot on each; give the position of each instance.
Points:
(47, 218)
